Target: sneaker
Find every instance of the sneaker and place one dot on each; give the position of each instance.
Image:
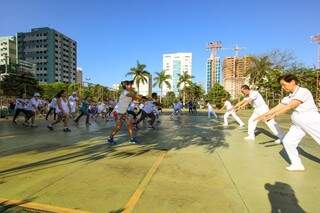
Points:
(14, 122)
(111, 141)
(278, 141)
(225, 125)
(241, 126)
(67, 130)
(295, 168)
(249, 138)
(133, 141)
(50, 127)
(151, 127)
(26, 124)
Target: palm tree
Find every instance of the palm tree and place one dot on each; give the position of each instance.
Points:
(184, 79)
(161, 79)
(140, 74)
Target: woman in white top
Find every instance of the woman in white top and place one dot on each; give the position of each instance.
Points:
(63, 111)
(230, 111)
(305, 118)
(211, 111)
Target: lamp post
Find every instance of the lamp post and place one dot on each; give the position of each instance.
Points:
(316, 39)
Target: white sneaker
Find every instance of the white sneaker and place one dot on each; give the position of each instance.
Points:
(295, 168)
(241, 126)
(249, 138)
(225, 124)
(278, 141)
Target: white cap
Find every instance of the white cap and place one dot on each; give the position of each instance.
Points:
(74, 93)
(36, 94)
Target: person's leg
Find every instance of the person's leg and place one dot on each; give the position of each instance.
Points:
(214, 114)
(252, 124)
(225, 118)
(237, 118)
(16, 114)
(152, 117)
(291, 142)
(79, 116)
(142, 117)
(87, 118)
(311, 126)
(117, 127)
(49, 112)
(209, 114)
(275, 128)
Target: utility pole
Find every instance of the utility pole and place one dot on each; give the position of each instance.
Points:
(316, 39)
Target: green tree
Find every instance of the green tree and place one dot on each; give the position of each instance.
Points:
(161, 79)
(258, 69)
(184, 80)
(194, 92)
(168, 99)
(140, 75)
(216, 95)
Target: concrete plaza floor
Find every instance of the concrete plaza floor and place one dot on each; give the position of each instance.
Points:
(189, 165)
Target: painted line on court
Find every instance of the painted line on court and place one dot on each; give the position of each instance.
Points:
(38, 206)
(142, 186)
(7, 137)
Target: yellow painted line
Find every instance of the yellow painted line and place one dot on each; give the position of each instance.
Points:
(38, 206)
(142, 186)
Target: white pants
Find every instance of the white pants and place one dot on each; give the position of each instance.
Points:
(302, 123)
(234, 115)
(212, 113)
(273, 126)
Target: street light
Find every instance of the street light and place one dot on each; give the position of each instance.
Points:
(316, 39)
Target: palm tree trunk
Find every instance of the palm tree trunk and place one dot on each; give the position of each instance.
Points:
(160, 94)
(138, 89)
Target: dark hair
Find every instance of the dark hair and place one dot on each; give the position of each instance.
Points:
(288, 78)
(246, 87)
(154, 95)
(60, 93)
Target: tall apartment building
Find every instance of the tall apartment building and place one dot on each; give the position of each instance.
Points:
(145, 88)
(234, 69)
(214, 72)
(79, 76)
(8, 51)
(54, 54)
(175, 64)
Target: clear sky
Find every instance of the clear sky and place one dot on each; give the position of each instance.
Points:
(113, 34)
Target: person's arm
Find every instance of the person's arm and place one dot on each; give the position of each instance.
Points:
(278, 110)
(242, 104)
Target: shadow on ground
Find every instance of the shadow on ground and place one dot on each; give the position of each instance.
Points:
(282, 198)
(170, 135)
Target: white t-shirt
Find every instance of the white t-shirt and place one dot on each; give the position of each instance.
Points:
(303, 95)
(33, 104)
(53, 103)
(64, 106)
(149, 107)
(20, 103)
(124, 102)
(210, 108)
(178, 106)
(228, 105)
(132, 107)
(101, 107)
(73, 100)
(257, 99)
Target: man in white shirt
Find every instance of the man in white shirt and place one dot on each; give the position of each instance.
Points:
(254, 98)
(73, 101)
(32, 109)
(20, 106)
(230, 111)
(211, 111)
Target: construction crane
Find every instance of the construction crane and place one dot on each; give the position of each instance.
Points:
(214, 47)
(237, 49)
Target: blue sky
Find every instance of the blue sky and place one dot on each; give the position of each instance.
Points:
(113, 34)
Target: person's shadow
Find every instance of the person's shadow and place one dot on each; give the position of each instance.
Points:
(282, 198)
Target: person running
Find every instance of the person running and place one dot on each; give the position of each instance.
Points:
(260, 107)
(211, 111)
(125, 99)
(62, 110)
(177, 109)
(52, 108)
(148, 111)
(32, 109)
(84, 110)
(20, 106)
(73, 101)
(230, 111)
(305, 118)
(190, 105)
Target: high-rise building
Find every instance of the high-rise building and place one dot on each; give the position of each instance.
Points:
(234, 69)
(54, 54)
(175, 64)
(8, 50)
(79, 76)
(145, 88)
(214, 72)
